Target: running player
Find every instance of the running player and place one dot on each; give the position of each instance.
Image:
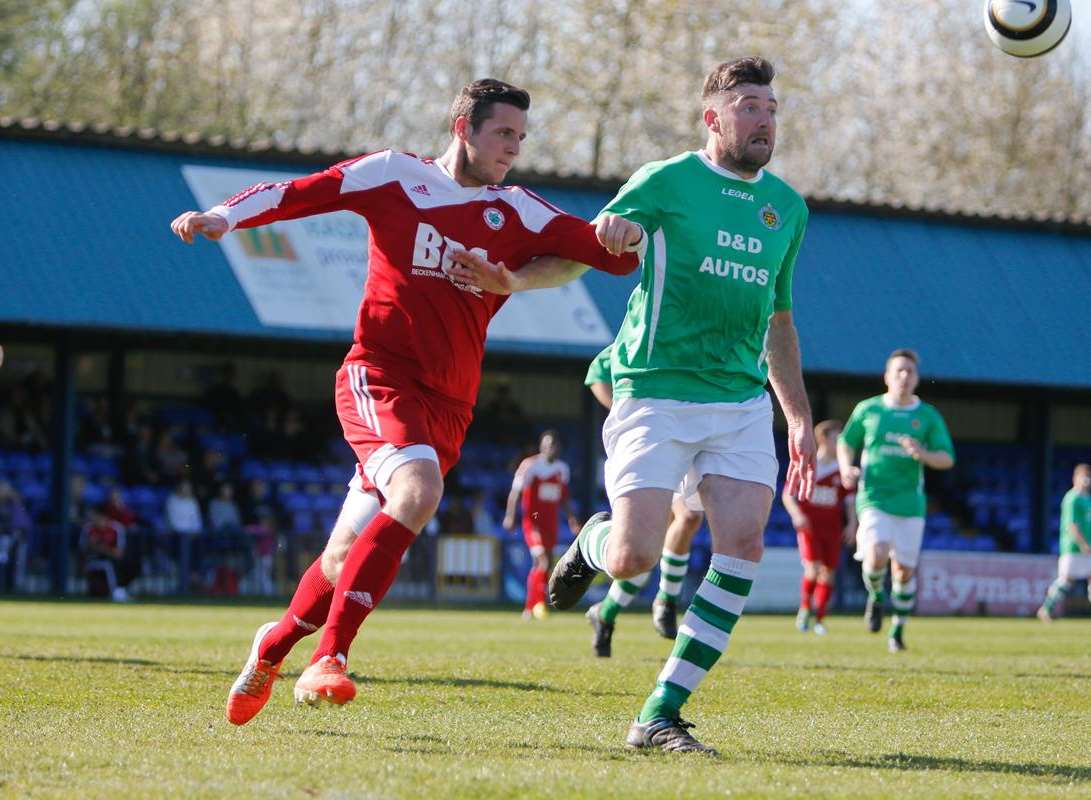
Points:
(406, 389)
(1075, 559)
(540, 488)
(821, 524)
(673, 564)
(897, 436)
(708, 325)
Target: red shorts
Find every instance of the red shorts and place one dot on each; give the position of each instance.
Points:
(537, 537)
(818, 546)
(388, 422)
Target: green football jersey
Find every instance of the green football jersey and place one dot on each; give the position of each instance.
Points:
(1075, 510)
(891, 480)
(718, 264)
(599, 371)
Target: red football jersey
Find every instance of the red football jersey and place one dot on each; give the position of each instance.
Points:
(543, 486)
(826, 508)
(108, 534)
(414, 320)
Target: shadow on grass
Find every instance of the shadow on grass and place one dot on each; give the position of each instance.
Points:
(906, 667)
(438, 680)
(915, 763)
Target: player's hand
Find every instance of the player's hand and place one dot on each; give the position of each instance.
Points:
(191, 223)
(574, 524)
(848, 535)
(617, 234)
(801, 454)
(472, 269)
(800, 522)
(911, 446)
(509, 522)
(850, 477)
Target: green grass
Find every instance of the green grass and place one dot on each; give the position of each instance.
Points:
(109, 701)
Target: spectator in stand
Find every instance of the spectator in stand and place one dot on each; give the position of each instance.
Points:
(484, 521)
(299, 444)
(264, 532)
(267, 439)
(224, 400)
(15, 530)
(269, 395)
(141, 463)
(183, 511)
(457, 518)
(119, 511)
(103, 544)
(223, 511)
(96, 433)
(22, 425)
(210, 473)
(171, 458)
(503, 418)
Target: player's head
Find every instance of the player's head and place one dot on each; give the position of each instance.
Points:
(549, 444)
(489, 121)
(826, 433)
(1081, 477)
(740, 111)
(902, 371)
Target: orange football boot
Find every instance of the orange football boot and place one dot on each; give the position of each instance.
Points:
(250, 691)
(325, 680)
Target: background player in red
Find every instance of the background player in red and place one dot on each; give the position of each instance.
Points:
(540, 488)
(405, 392)
(822, 524)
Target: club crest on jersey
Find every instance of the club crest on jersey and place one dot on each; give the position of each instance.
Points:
(770, 217)
(494, 218)
(915, 424)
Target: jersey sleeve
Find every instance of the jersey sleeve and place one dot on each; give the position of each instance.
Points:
(599, 370)
(639, 200)
(939, 438)
(782, 294)
(853, 432)
(341, 187)
(520, 478)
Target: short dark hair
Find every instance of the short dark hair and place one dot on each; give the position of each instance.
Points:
(905, 352)
(551, 432)
(729, 74)
(475, 101)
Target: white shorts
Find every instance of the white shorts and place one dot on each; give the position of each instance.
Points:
(1074, 567)
(903, 534)
(653, 443)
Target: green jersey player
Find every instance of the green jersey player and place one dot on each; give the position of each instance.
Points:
(898, 436)
(709, 323)
(673, 564)
(1074, 562)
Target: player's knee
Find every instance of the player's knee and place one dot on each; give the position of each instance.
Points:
(628, 562)
(825, 574)
(414, 497)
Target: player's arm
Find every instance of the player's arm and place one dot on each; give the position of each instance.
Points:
(936, 450)
(513, 500)
(1079, 538)
(334, 189)
(786, 377)
(795, 511)
(846, 464)
(849, 532)
(603, 392)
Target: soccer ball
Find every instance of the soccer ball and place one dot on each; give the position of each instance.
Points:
(1027, 28)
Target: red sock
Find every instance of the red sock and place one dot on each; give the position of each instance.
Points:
(821, 599)
(532, 589)
(806, 589)
(536, 587)
(306, 613)
(370, 569)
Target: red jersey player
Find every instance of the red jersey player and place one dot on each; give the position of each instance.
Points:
(541, 482)
(405, 391)
(821, 524)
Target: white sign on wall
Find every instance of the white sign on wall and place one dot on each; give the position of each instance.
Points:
(310, 273)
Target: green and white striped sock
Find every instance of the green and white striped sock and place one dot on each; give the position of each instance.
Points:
(1058, 590)
(902, 598)
(703, 634)
(672, 574)
(592, 543)
(874, 582)
(621, 594)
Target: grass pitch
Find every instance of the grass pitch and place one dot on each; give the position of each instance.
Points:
(128, 701)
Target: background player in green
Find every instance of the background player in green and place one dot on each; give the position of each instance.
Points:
(898, 435)
(673, 564)
(1074, 562)
(709, 324)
